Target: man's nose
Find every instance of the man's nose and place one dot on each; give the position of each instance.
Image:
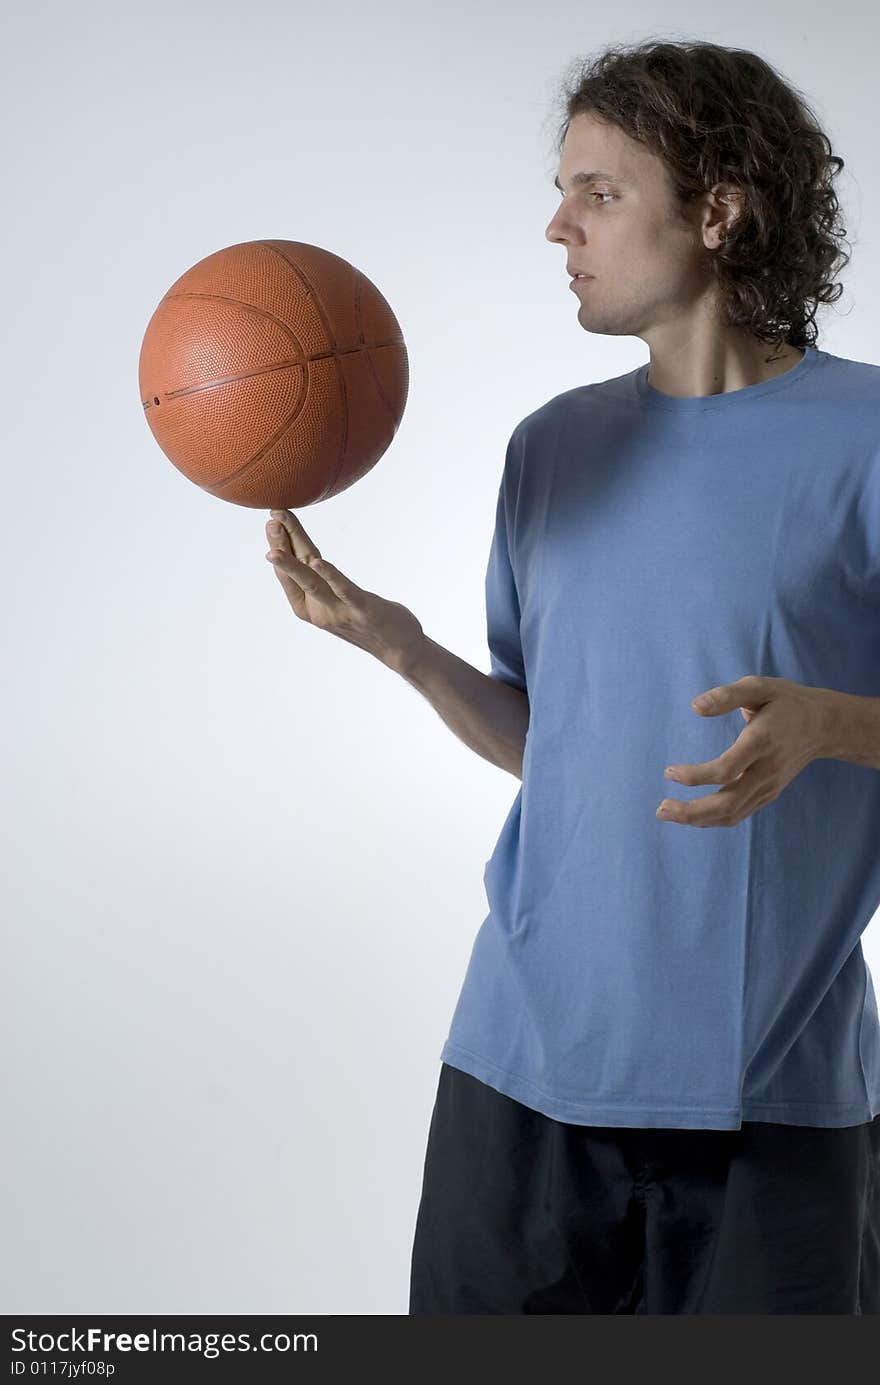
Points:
(557, 235)
(551, 233)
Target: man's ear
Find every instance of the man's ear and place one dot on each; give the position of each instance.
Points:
(727, 202)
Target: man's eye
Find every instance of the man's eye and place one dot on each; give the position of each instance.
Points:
(609, 195)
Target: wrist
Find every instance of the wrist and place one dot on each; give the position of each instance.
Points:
(840, 723)
(406, 659)
(830, 712)
(850, 727)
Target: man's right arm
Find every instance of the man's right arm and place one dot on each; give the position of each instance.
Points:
(490, 716)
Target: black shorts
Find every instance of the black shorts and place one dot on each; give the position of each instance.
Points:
(520, 1213)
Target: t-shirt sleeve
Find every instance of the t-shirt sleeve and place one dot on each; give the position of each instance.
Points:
(502, 602)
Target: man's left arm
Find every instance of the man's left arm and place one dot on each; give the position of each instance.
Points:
(852, 728)
(789, 724)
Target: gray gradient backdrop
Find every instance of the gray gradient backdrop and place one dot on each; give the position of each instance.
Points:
(242, 860)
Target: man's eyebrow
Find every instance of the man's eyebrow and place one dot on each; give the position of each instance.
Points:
(588, 178)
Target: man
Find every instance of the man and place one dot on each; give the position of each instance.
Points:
(661, 1084)
(662, 1071)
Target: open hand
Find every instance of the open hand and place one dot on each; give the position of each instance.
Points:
(322, 595)
(784, 732)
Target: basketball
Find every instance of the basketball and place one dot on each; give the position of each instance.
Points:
(273, 374)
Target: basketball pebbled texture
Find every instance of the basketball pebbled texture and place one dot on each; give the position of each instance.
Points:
(273, 374)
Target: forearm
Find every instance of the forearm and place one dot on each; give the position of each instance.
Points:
(491, 717)
(852, 728)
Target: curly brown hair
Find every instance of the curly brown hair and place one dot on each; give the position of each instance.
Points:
(716, 114)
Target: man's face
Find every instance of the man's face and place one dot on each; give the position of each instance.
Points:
(649, 265)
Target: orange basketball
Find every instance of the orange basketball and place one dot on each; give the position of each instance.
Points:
(273, 374)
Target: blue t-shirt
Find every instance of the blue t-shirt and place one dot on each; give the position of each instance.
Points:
(636, 972)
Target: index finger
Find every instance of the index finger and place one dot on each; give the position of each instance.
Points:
(301, 545)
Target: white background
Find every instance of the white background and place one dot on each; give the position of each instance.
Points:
(243, 860)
